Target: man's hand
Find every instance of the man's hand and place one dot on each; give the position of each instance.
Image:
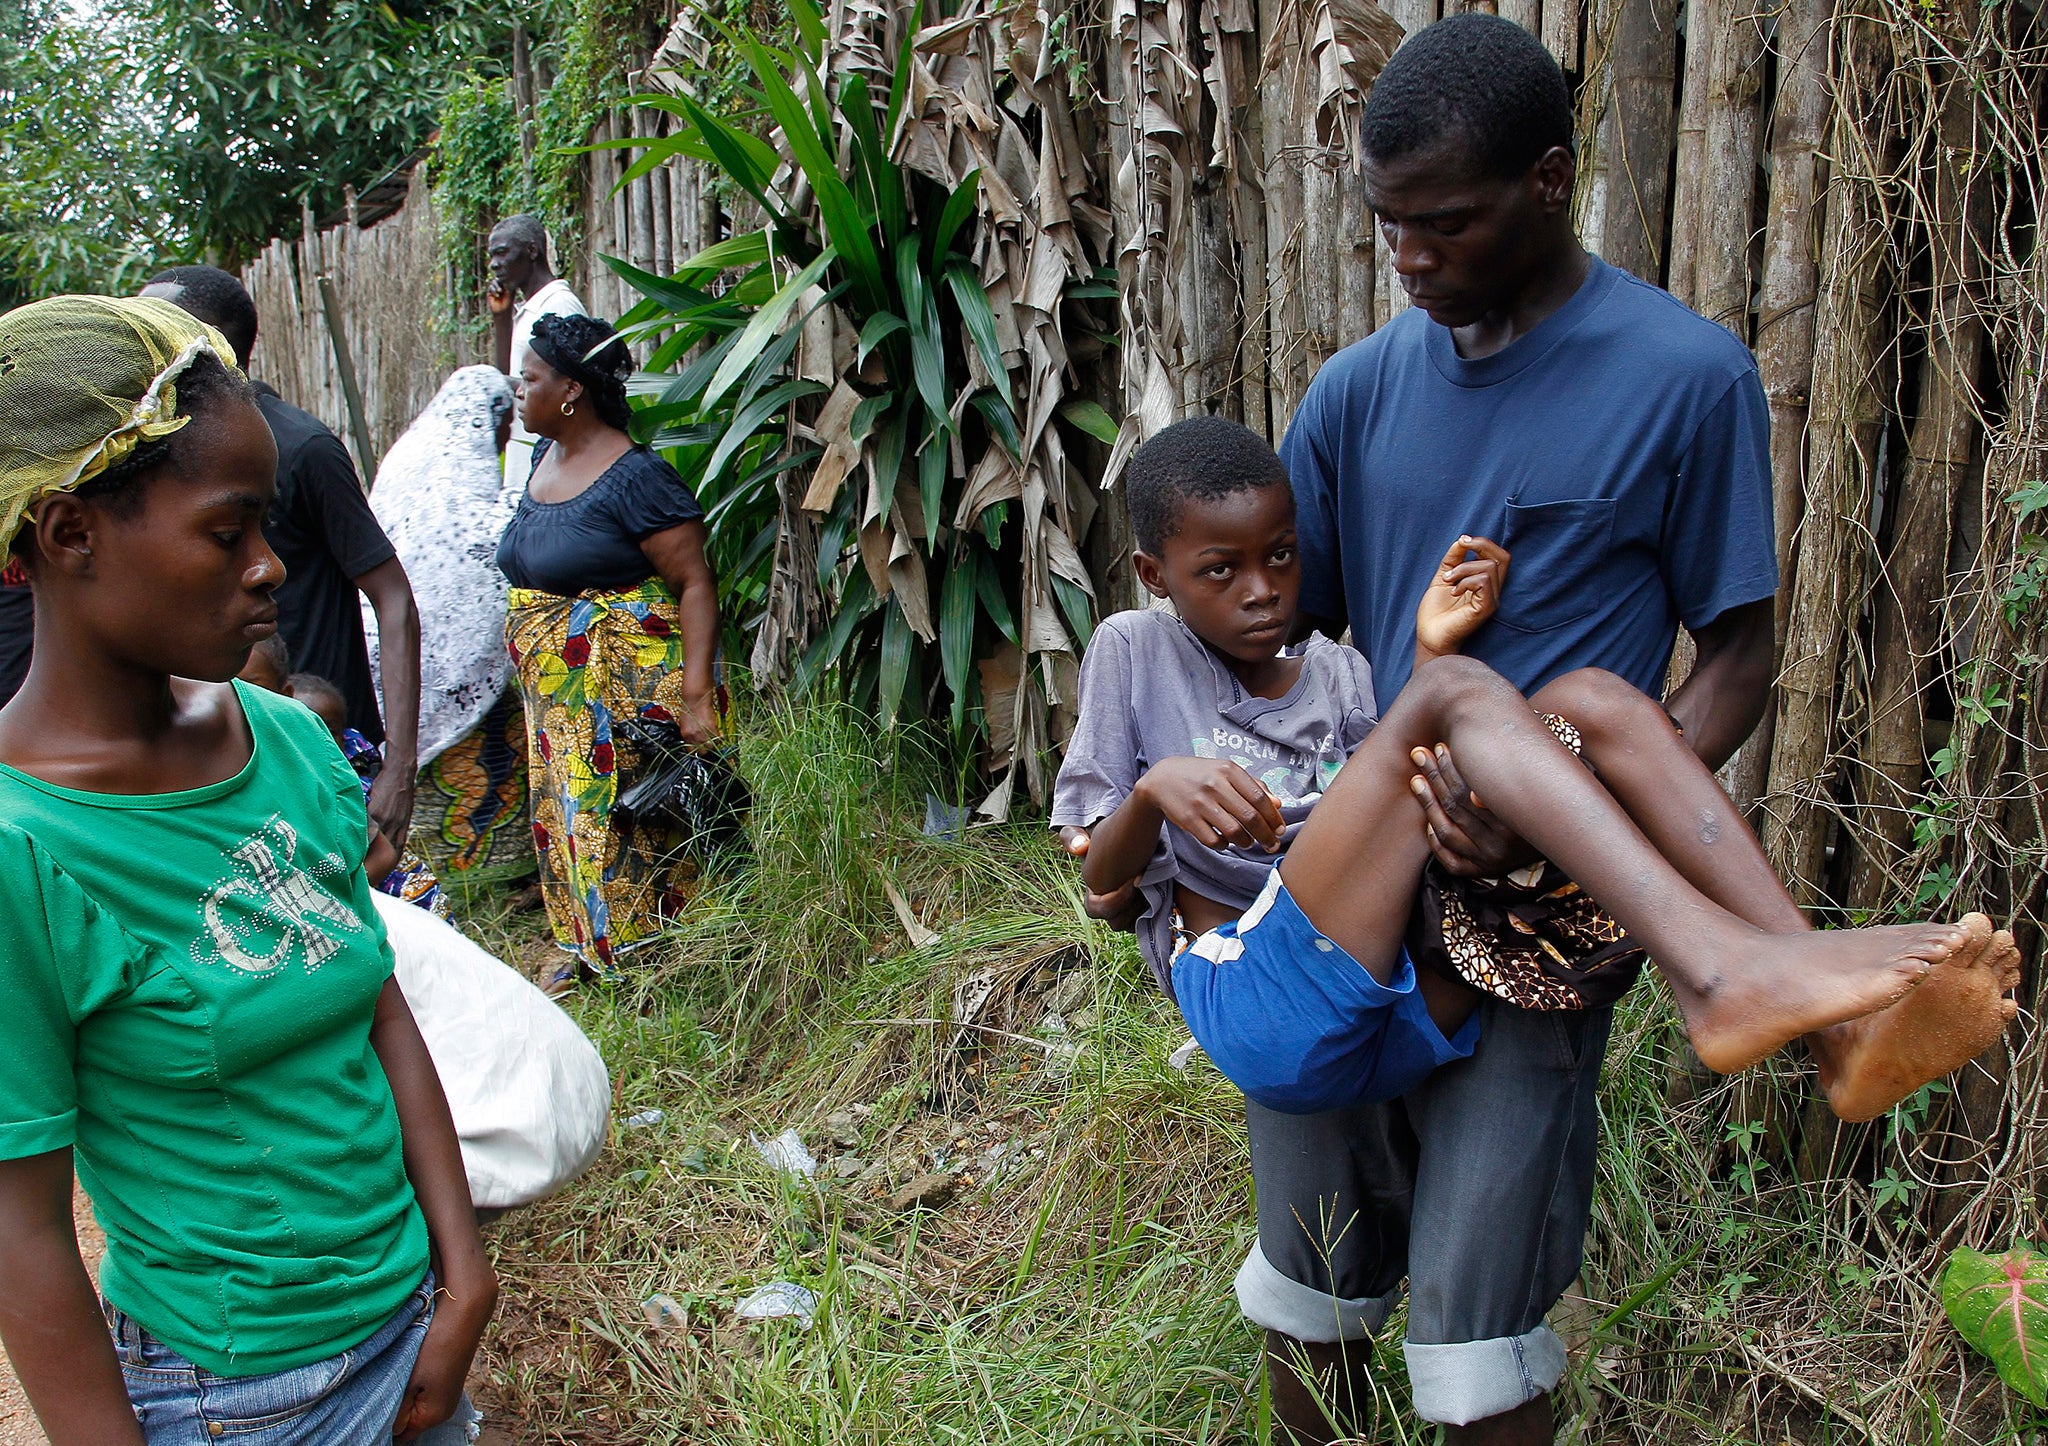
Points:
(1214, 802)
(1469, 841)
(444, 1359)
(496, 297)
(1464, 593)
(1119, 908)
(391, 801)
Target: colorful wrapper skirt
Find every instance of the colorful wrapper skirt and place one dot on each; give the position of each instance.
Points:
(470, 813)
(584, 662)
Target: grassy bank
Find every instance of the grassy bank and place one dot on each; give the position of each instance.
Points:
(1075, 1284)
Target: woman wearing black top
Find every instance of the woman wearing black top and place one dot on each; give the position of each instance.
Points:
(613, 615)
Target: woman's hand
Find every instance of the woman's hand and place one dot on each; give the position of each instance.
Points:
(698, 722)
(1214, 802)
(445, 1356)
(1464, 593)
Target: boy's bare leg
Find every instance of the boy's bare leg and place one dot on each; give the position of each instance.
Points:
(1747, 992)
(1867, 1065)
(1639, 756)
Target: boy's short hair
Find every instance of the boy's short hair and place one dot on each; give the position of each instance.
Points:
(273, 651)
(309, 687)
(1203, 459)
(1475, 78)
(217, 298)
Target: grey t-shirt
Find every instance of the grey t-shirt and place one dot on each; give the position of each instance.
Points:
(1150, 689)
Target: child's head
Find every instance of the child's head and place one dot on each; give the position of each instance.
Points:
(323, 698)
(269, 666)
(1214, 516)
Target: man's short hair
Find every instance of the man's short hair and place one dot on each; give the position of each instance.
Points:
(525, 230)
(1480, 81)
(1200, 459)
(217, 298)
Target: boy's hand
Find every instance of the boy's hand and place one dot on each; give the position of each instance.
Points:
(1464, 593)
(1119, 907)
(1214, 802)
(1468, 840)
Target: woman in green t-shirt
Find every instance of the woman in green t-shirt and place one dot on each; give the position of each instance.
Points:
(202, 1020)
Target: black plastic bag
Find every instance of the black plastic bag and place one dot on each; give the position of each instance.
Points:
(698, 796)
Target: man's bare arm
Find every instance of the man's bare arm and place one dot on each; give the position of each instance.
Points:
(1724, 697)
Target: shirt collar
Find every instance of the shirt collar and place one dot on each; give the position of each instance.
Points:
(527, 306)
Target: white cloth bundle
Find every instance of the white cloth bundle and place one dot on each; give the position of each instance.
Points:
(529, 1092)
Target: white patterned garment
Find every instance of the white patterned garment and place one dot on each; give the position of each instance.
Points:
(442, 497)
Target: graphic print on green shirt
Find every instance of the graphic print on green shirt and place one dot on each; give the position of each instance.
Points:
(193, 977)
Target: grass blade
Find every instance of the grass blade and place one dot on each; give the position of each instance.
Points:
(895, 660)
(957, 612)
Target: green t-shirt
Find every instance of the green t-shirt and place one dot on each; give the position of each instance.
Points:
(190, 980)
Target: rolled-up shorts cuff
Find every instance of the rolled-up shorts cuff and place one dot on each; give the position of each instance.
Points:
(1469, 1381)
(1281, 1303)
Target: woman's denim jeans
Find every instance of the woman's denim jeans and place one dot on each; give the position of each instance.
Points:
(347, 1400)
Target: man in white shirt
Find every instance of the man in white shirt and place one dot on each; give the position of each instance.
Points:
(519, 269)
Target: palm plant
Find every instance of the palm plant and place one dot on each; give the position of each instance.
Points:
(852, 380)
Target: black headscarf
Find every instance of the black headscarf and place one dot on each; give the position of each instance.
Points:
(585, 349)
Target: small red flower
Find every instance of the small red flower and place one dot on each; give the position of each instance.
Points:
(601, 759)
(655, 626)
(576, 652)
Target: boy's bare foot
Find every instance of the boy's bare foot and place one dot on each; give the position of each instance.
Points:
(1771, 988)
(1868, 1065)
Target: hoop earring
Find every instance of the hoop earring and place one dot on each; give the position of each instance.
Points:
(568, 409)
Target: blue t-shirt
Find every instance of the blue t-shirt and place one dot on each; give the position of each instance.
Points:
(1620, 451)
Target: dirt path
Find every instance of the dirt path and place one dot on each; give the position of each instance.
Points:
(18, 1423)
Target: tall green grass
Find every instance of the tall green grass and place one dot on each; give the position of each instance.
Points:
(1080, 1290)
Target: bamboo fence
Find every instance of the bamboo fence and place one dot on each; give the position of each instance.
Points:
(1852, 187)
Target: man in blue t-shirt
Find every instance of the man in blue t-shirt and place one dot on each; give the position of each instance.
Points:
(1617, 445)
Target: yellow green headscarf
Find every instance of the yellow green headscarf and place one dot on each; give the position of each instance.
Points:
(84, 381)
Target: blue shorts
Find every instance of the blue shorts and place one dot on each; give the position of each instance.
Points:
(1297, 1023)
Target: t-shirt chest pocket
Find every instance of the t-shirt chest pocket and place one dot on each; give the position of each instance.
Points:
(1554, 548)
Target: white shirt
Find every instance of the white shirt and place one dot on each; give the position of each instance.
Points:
(554, 299)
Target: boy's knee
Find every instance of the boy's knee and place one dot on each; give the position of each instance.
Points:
(1596, 702)
(1454, 677)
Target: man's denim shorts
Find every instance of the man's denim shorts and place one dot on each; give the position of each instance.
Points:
(350, 1399)
(1297, 1023)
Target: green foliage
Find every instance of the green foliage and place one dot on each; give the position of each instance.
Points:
(589, 45)
(475, 170)
(171, 130)
(1999, 1304)
(77, 179)
(893, 253)
(259, 107)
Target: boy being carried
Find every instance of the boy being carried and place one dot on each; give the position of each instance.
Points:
(1205, 747)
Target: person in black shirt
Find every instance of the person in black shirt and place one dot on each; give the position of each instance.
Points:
(322, 528)
(17, 627)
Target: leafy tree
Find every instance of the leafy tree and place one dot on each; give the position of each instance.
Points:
(80, 204)
(263, 105)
